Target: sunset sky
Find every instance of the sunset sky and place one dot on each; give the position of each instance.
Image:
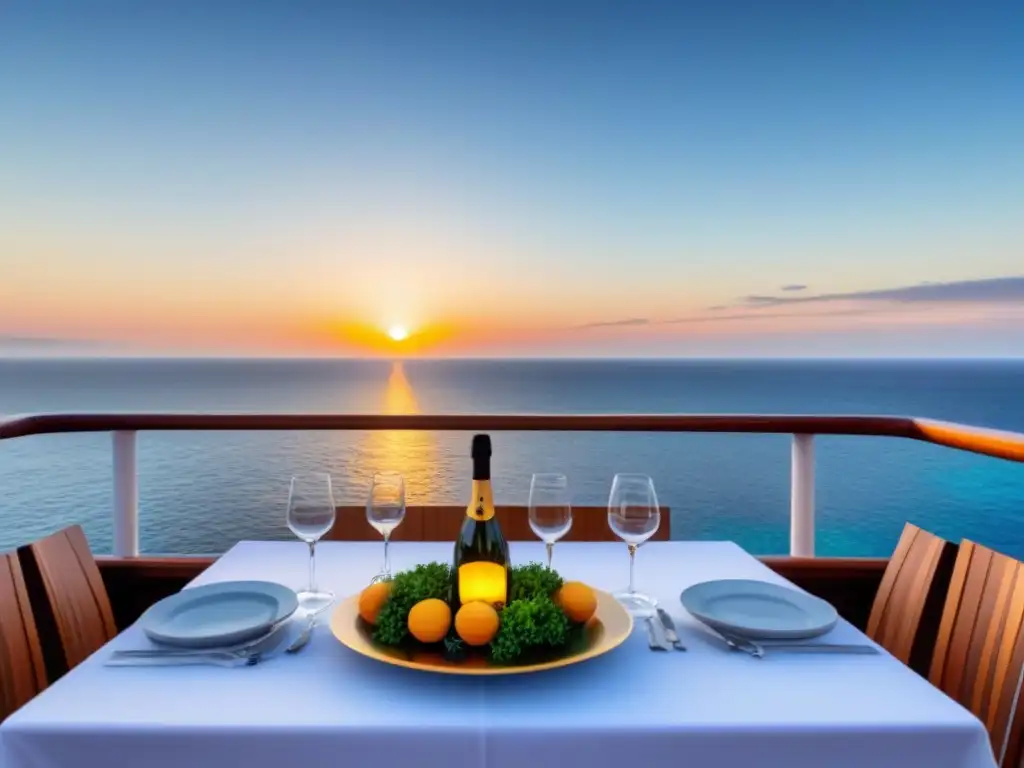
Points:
(513, 178)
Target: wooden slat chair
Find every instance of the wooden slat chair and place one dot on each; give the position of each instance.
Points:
(979, 655)
(908, 605)
(69, 600)
(22, 674)
(442, 523)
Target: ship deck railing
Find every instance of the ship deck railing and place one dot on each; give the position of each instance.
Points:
(124, 428)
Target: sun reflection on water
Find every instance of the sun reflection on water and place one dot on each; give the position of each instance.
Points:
(413, 453)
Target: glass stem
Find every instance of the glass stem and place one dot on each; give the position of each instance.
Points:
(551, 551)
(312, 566)
(387, 560)
(632, 559)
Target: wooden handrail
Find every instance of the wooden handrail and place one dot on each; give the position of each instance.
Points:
(989, 442)
(36, 424)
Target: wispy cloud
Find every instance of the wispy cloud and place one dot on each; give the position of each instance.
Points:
(990, 290)
(723, 318)
(764, 316)
(17, 344)
(993, 291)
(615, 323)
(35, 341)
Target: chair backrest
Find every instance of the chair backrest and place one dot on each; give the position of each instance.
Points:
(979, 654)
(442, 523)
(908, 605)
(22, 674)
(68, 597)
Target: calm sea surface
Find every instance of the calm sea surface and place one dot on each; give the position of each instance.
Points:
(201, 492)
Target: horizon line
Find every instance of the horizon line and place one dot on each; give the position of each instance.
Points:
(500, 358)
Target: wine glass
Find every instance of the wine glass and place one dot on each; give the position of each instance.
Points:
(550, 510)
(310, 516)
(634, 516)
(385, 510)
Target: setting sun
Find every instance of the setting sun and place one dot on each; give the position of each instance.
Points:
(397, 333)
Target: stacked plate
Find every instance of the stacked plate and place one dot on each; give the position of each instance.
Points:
(220, 614)
(758, 610)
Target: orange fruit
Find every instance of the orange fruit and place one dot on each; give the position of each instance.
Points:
(577, 601)
(429, 620)
(476, 623)
(372, 599)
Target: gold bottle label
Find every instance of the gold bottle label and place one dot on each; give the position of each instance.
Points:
(481, 505)
(484, 581)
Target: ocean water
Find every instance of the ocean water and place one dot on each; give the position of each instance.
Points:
(201, 492)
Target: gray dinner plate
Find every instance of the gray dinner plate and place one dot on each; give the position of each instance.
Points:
(758, 609)
(219, 614)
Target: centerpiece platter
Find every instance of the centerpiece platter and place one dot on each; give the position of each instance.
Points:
(480, 615)
(547, 623)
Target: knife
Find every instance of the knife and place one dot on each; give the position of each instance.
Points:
(263, 644)
(175, 661)
(670, 630)
(759, 649)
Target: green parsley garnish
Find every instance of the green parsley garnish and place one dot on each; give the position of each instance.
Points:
(532, 580)
(528, 626)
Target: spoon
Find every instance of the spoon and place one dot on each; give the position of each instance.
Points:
(300, 642)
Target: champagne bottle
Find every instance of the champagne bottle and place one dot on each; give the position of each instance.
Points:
(481, 552)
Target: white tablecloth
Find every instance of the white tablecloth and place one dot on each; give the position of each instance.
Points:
(328, 706)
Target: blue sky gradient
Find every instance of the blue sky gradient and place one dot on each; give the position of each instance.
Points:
(232, 175)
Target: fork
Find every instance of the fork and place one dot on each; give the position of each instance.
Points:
(652, 636)
(740, 644)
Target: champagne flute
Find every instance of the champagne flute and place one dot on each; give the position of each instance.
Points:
(634, 516)
(310, 515)
(385, 510)
(550, 510)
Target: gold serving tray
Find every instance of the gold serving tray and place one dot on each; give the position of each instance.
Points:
(607, 629)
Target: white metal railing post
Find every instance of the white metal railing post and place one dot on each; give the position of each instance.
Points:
(801, 524)
(126, 496)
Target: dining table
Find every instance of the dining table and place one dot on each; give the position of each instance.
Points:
(328, 706)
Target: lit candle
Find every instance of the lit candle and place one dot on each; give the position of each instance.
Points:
(484, 581)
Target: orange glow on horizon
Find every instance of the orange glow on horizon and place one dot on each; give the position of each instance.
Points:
(368, 340)
(486, 329)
